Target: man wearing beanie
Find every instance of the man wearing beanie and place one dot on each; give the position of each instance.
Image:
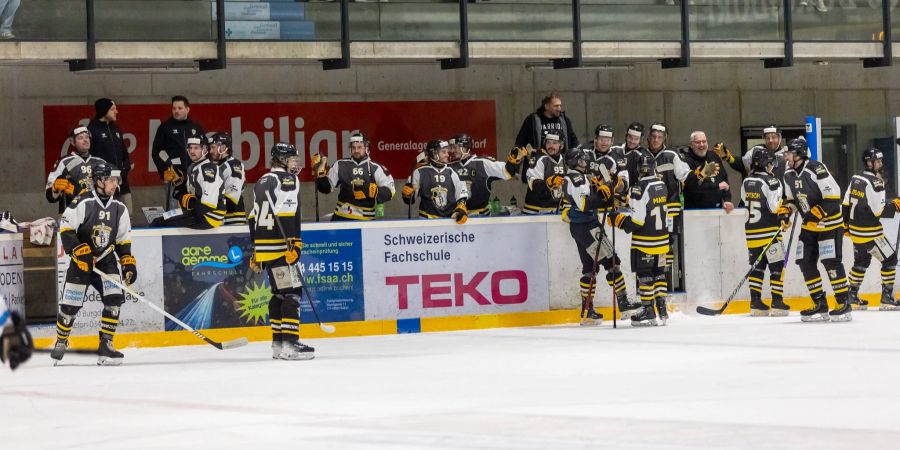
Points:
(107, 144)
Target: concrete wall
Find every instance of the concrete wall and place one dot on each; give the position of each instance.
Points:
(718, 98)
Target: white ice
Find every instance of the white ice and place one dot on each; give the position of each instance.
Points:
(700, 382)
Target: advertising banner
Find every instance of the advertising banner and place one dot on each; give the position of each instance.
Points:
(209, 284)
(455, 270)
(12, 268)
(397, 130)
(135, 316)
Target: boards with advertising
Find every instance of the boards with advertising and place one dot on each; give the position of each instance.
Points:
(451, 270)
(12, 270)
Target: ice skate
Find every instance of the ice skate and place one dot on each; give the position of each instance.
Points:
(779, 308)
(591, 318)
(888, 302)
(841, 313)
(627, 309)
(757, 307)
(59, 350)
(276, 349)
(856, 302)
(296, 351)
(107, 355)
(662, 311)
(646, 317)
(817, 313)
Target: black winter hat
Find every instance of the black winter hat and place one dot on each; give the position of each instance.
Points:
(102, 106)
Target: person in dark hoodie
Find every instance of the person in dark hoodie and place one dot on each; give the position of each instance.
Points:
(549, 118)
(706, 185)
(107, 144)
(169, 151)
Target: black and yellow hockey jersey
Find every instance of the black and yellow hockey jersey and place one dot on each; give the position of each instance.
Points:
(582, 199)
(97, 221)
(762, 194)
(541, 198)
(352, 176)
(646, 221)
(232, 173)
(204, 182)
(479, 173)
(863, 206)
(672, 171)
(812, 185)
(276, 203)
(439, 189)
(75, 168)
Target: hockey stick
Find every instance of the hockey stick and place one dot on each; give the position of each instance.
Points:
(325, 327)
(315, 191)
(227, 345)
(715, 312)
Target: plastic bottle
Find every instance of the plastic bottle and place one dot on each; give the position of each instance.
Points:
(495, 206)
(379, 210)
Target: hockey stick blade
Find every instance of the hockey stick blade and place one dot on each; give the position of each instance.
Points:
(711, 312)
(234, 343)
(327, 328)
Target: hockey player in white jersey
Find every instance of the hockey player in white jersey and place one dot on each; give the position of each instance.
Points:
(231, 171)
(72, 174)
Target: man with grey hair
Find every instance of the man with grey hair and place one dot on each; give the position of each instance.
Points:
(706, 186)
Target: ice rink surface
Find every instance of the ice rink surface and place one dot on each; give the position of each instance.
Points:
(700, 382)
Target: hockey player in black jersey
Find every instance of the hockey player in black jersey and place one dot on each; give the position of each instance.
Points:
(762, 193)
(646, 221)
(545, 177)
(811, 189)
(72, 174)
(631, 150)
(231, 171)
(477, 172)
(743, 165)
(200, 197)
(363, 183)
(438, 188)
(863, 206)
(606, 161)
(274, 225)
(585, 195)
(672, 171)
(94, 229)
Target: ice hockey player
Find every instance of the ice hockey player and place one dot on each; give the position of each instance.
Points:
(586, 194)
(438, 188)
(672, 171)
(762, 193)
(231, 171)
(544, 176)
(16, 344)
(811, 189)
(645, 220)
(864, 205)
(477, 172)
(275, 232)
(72, 174)
(363, 183)
(94, 229)
(200, 198)
(773, 144)
(631, 149)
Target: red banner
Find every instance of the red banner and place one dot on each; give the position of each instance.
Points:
(397, 130)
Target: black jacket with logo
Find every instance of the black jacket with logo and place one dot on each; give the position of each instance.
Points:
(107, 144)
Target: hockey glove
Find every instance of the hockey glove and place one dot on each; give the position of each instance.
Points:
(896, 203)
(170, 175)
(602, 188)
(709, 169)
(460, 213)
(554, 181)
(817, 212)
(83, 258)
(129, 269)
(188, 201)
(319, 165)
(255, 265)
(408, 191)
(16, 344)
(615, 219)
(724, 153)
(293, 251)
(516, 155)
(620, 185)
(61, 184)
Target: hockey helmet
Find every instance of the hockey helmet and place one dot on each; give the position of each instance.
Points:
(799, 147)
(646, 165)
(282, 152)
(761, 160)
(464, 142)
(433, 150)
(575, 156)
(635, 129)
(771, 129)
(603, 130)
(221, 138)
(660, 127)
(870, 156)
(103, 170)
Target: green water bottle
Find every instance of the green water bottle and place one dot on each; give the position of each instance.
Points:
(681, 199)
(495, 206)
(379, 210)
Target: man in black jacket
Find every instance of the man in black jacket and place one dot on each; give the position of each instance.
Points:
(169, 151)
(549, 118)
(107, 144)
(706, 186)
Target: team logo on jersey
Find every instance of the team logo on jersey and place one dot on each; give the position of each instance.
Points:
(175, 131)
(439, 197)
(103, 135)
(100, 235)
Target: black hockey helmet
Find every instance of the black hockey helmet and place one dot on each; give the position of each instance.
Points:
(358, 136)
(575, 156)
(464, 142)
(871, 155)
(761, 160)
(80, 130)
(282, 152)
(660, 127)
(646, 165)
(635, 129)
(603, 130)
(433, 149)
(103, 170)
(799, 147)
(221, 138)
